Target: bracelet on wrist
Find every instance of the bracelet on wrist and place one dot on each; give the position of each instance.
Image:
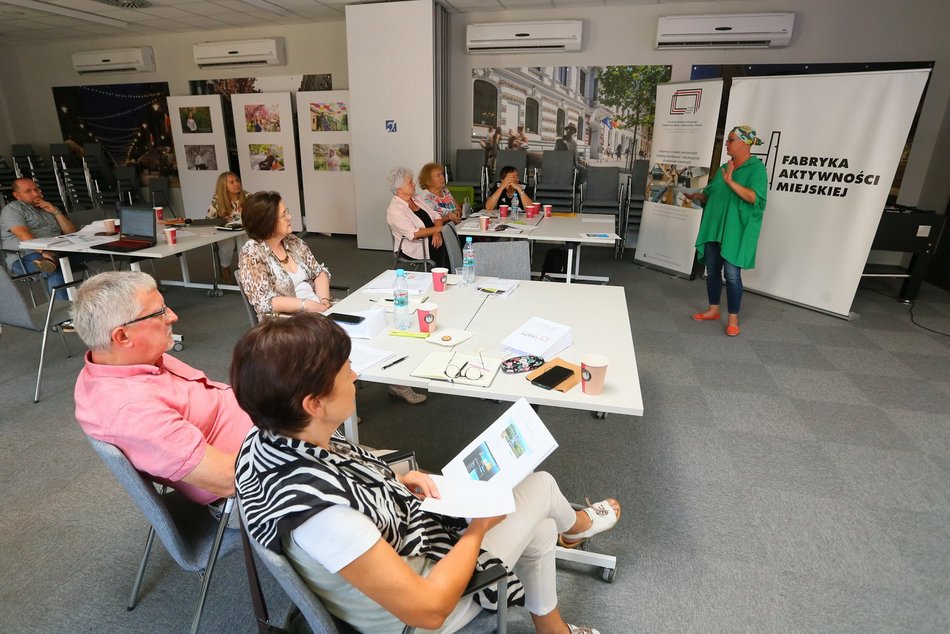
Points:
(303, 304)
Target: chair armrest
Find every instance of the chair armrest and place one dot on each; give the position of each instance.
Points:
(486, 578)
(67, 285)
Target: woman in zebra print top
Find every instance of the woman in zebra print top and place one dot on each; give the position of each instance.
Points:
(354, 529)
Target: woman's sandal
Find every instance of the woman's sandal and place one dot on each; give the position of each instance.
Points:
(581, 629)
(602, 518)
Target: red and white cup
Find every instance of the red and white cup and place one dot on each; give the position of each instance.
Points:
(593, 372)
(159, 213)
(109, 225)
(547, 210)
(503, 211)
(483, 223)
(427, 313)
(439, 277)
(171, 235)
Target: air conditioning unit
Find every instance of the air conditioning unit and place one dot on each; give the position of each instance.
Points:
(119, 60)
(268, 52)
(524, 37)
(749, 30)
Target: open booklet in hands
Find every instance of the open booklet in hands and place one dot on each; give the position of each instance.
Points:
(479, 480)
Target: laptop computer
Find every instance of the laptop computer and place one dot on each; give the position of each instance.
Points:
(137, 231)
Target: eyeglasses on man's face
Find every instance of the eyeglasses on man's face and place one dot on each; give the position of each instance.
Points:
(158, 313)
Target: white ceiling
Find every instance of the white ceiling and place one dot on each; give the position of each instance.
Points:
(24, 24)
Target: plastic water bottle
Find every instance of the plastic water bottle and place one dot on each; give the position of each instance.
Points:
(468, 263)
(401, 317)
(515, 205)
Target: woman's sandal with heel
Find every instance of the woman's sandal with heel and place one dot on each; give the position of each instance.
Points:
(602, 518)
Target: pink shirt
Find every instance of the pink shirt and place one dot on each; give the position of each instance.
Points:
(161, 417)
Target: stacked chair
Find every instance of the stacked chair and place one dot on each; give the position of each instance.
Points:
(557, 182)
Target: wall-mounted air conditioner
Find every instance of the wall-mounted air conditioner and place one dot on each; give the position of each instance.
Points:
(525, 37)
(119, 60)
(750, 30)
(267, 52)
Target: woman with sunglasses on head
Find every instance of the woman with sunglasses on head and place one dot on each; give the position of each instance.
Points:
(733, 205)
(278, 272)
(354, 529)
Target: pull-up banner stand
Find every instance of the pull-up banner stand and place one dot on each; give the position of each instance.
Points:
(684, 133)
(832, 145)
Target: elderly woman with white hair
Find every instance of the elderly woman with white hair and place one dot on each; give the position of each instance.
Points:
(417, 231)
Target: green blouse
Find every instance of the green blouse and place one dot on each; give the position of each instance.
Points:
(729, 220)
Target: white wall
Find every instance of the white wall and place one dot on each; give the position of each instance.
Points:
(825, 31)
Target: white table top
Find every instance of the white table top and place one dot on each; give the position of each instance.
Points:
(188, 238)
(493, 318)
(552, 229)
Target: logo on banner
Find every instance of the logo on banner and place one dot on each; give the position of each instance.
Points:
(686, 101)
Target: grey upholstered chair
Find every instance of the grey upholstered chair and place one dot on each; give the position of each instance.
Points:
(42, 318)
(192, 537)
(320, 620)
(450, 238)
(509, 260)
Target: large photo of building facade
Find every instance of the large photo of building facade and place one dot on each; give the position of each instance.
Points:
(603, 114)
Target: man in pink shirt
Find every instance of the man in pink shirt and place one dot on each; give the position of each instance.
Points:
(169, 419)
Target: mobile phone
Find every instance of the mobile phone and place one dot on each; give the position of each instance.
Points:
(552, 377)
(345, 318)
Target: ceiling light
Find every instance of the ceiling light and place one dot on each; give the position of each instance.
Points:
(69, 13)
(128, 4)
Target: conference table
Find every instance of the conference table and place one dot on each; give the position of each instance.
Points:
(189, 239)
(572, 230)
(596, 314)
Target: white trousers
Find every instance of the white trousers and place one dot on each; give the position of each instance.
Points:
(525, 540)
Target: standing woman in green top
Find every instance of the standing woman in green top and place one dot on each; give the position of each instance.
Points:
(732, 217)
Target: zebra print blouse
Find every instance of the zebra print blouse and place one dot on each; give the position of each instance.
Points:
(283, 482)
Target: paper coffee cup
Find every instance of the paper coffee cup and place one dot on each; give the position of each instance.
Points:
(109, 225)
(427, 313)
(159, 213)
(503, 211)
(171, 235)
(439, 275)
(483, 223)
(547, 210)
(593, 371)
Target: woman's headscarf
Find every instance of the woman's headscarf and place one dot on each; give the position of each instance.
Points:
(747, 135)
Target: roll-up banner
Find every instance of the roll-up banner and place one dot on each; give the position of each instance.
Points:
(831, 147)
(684, 133)
(198, 129)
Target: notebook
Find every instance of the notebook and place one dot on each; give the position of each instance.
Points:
(137, 226)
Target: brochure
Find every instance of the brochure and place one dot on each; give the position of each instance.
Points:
(505, 453)
(539, 337)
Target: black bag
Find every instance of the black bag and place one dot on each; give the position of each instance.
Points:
(555, 261)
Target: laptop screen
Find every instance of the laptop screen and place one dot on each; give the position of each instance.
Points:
(138, 222)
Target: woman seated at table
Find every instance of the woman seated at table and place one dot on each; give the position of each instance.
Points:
(509, 190)
(434, 194)
(354, 529)
(278, 272)
(226, 204)
(417, 231)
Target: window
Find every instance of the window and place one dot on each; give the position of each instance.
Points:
(582, 84)
(580, 128)
(485, 102)
(531, 110)
(561, 75)
(559, 128)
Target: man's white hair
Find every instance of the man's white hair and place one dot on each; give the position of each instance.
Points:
(105, 302)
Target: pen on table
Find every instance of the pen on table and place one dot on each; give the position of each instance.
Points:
(392, 363)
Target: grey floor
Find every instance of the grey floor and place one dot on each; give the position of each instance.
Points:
(793, 479)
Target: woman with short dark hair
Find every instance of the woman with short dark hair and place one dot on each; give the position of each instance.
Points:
(355, 530)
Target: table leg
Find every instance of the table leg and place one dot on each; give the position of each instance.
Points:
(570, 261)
(67, 270)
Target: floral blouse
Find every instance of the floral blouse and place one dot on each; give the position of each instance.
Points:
(262, 277)
(442, 205)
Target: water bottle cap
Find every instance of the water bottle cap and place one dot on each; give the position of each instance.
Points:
(468, 238)
(400, 273)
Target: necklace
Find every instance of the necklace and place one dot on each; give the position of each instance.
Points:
(282, 260)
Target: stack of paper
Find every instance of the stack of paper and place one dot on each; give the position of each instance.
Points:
(373, 323)
(363, 357)
(539, 337)
(418, 283)
(496, 286)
